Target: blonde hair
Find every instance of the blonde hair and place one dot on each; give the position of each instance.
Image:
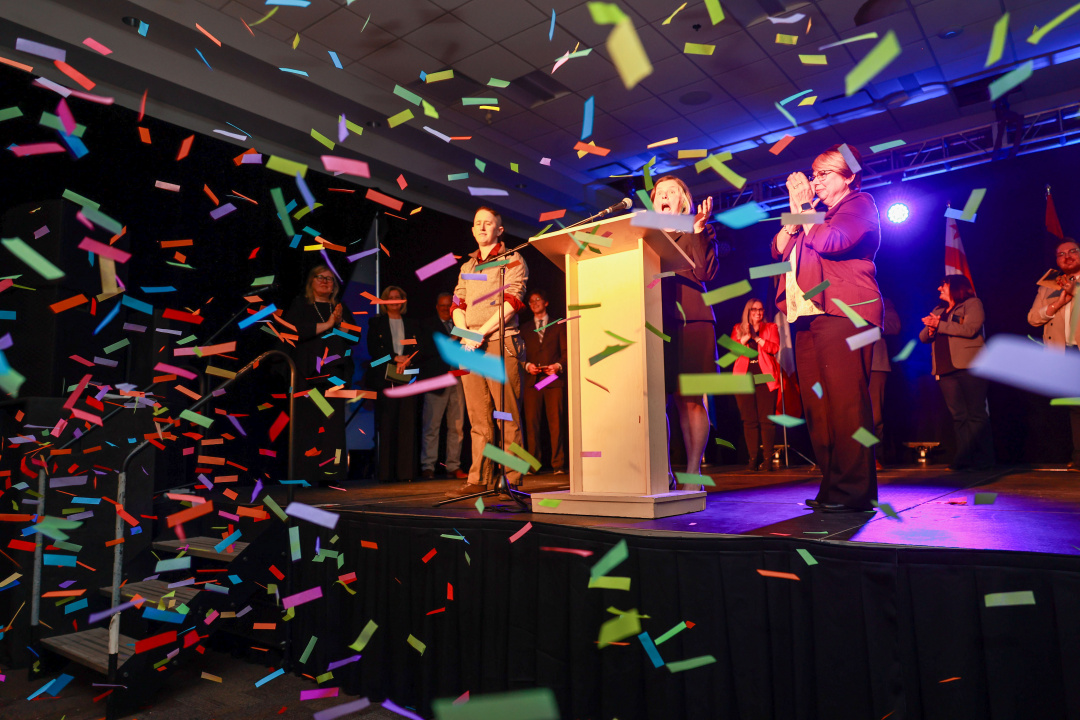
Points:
(744, 326)
(687, 206)
(385, 295)
(309, 288)
(833, 159)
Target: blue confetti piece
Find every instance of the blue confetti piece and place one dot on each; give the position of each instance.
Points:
(76, 606)
(156, 615)
(587, 120)
(277, 673)
(158, 289)
(203, 58)
(143, 27)
(650, 649)
(295, 241)
(59, 560)
(139, 305)
(551, 30)
(334, 57)
(262, 314)
(742, 216)
(108, 318)
(305, 192)
(454, 355)
(380, 361)
(500, 415)
(294, 72)
(220, 547)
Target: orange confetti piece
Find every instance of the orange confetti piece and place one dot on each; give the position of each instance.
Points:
(369, 545)
(213, 39)
(553, 215)
(593, 150)
(185, 147)
(59, 307)
(78, 77)
(208, 191)
(144, 135)
(382, 199)
(940, 681)
(781, 575)
(782, 143)
(12, 63)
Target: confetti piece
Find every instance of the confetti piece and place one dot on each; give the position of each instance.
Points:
(611, 559)
(725, 443)
(524, 529)
(997, 40)
(780, 144)
(875, 61)
(806, 556)
(40, 49)
(887, 509)
(505, 459)
(985, 498)
(32, 258)
(416, 644)
(716, 162)
(530, 704)
(382, 199)
(782, 39)
(692, 663)
(867, 36)
(698, 49)
(864, 437)
(716, 13)
(762, 271)
(659, 334)
(619, 628)
(591, 148)
(609, 583)
(886, 146)
(436, 266)
(853, 316)
(1039, 33)
(906, 352)
(312, 515)
(849, 158)
(693, 479)
(454, 355)
(781, 575)
(286, 167)
(587, 118)
(1015, 361)
(726, 292)
(787, 421)
(691, 384)
(668, 22)
(813, 60)
(1005, 599)
(662, 221)
(864, 338)
(972, 205)
(343, 709)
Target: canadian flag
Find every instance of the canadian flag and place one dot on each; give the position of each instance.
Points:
(955, 258)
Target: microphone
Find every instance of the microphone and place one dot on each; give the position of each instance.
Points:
(624, 204)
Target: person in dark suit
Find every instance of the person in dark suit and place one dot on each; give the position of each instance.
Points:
(841, 250)
(448, 402)
(323, 361)
(545, 355)
(392, 339)
(955, 327)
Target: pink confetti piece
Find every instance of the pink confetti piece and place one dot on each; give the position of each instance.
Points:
(95, 45)
(318, 693)
(162, 185)
(401, 182)
(524, 529)
(173, 370)
(436, 266)
(300, 598)
(545, 382)
(462, 699)
(333, 163)
(572, 551)
(36, 149)
(421, 386)
(66, 118)
(104, 250)
(590, 453)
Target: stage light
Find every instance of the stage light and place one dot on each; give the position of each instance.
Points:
(897, 213)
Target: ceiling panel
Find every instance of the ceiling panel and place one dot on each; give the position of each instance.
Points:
(645, 114)
(721, 115)
(400, 61)
(525, 127)
(294, 18)
(494, 61)
(532, 45)
(447, 39)
(344, 33)
(695, 96)
(612, 94)
(270, 27)
(581, 73)
(761, 75)
(399, 17)
(498, 19)
(732, 51)
(672, 73)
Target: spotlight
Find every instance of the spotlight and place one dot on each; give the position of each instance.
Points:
(897, 213)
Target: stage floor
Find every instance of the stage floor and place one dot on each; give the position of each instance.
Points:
(1035, 510)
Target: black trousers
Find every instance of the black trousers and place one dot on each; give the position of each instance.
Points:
(758, 429)
(822, 356)
(878, 378)
(965, 395)
(549, 402)
(395, 419)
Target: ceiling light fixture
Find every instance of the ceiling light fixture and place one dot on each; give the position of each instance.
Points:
(132, 21)
(950, 33)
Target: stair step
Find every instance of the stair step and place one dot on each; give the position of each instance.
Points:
(154, 591)
(201, 547)
(90, 648)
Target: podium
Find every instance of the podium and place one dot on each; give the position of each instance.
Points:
(618, 445)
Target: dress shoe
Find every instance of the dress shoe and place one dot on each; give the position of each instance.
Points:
(752, 466)
(836, 507)
(811, 503)
(465, 488)
(459, 474)
(427, 474)
(1073, 467)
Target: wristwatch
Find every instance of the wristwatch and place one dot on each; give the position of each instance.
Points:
(807, 207)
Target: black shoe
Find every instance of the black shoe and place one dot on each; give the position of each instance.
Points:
(752, 466)
(836, 507)
(811, 503)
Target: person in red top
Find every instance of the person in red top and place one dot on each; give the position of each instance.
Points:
(764, 338)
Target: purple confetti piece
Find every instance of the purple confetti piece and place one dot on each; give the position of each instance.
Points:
(342, 129)
(257, 490)
(41, 50)
(388, 705)
(545, 382)
(331, 266)
(109, 612)
(236, 424)
(225, 209)
(436, 266)
(252, 159)
(359, 255)
(339, 710)
(338, 663)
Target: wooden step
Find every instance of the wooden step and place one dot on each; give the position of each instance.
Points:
(90, 648)
(201, 547)
(154, 591)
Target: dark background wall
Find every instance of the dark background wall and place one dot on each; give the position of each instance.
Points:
(1007, 250)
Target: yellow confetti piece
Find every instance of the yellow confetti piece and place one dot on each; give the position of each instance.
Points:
(697, 49)
(669, 141)
(813, 60)
(322, 139)
(436, 77)
(782, 39)
(716, 13)
(296, 41)
(875, 61)
(626, 51)
(401, 117)
(691, 384)
(997, 41)
(683, 154)
(808, 100)
(417, 645)
(286, 167)
(672, 15)
(1039, 33)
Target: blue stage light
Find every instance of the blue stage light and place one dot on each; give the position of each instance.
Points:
(897, 213)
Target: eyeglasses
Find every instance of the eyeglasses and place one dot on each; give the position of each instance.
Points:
(820, 175)
(1073, 251)
(325, 278)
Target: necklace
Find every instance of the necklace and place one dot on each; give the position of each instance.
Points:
(316, 304)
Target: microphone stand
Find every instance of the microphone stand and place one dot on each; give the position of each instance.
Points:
(502, 484)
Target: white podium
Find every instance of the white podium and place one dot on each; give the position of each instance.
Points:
(618, 446)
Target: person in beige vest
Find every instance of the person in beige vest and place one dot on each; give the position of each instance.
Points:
(1055, 312)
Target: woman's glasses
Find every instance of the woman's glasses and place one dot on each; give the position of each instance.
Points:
(820, 175)
(325, 278)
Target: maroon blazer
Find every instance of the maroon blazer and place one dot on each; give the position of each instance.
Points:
(840, 250)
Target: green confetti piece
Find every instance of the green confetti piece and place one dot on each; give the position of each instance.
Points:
(457, 176)
(647, 171)
(322, 139)
(307, 651)
(885, 508)
(52, 121)
(864, 437)
(727, 360)
(479, 505)
(692, 479)
(583, 307)
(763, 271)
(411, 96)
(275, 508)
(467, 101)
(606, 352)
(480, 164)
(320, 679)
(109, 349)
(681, 665)
(813, 60)
(437, 76)
(853, 316)
(80, 200)
(609, 583)
(294, 543)
(764, 379)
(806, 556)
(691, 384)
(264, 280)
(1062, 401)
(698, 49)
(416, 644)
(886, 146)
(550, 502)
(670, 634)
(531, 704)
(716, 13)
(654, 331)
(404, 116)
(645, 200)
(619, 338)
(985, 498)
(14, 112)
(612, 559)
(286, 167)
(429, 109)
(906, 352)
(496, 82)
(453, 537)
(875, 61)
(726, 292)
(196, 418)
(786, 114)
(736, 348)
(283, 214)
(524, 455)
(1004, 599)
(32, 258)
(505, 459)
(787, 421)
(320, 402)
(365, 636)
(619, 628)
(724, 443)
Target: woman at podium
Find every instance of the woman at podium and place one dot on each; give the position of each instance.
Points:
(687, 318)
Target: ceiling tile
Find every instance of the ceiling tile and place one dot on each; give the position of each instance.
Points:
(269, 27)
(294, 18)
(217, 4)
(813, 75)
(564, 111)
(732, 51)
(581, 73)
(447, 39)
(524, 127)
(712, 119)
(612, 94)
(494, 61)
(498, 19)
(730, 134)
(532, 45)
(559, 6)
(643, 115)
(341, 32)
(399, 17)
(675, 72)
(400, 61)
(936, 17)
(558, 144)
(761, 75)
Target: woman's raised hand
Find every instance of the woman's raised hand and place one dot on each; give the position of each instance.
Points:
(702, 217)
(799, 191)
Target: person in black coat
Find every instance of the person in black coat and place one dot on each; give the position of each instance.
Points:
(323, 361)
(545, 355)
(392, 344)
